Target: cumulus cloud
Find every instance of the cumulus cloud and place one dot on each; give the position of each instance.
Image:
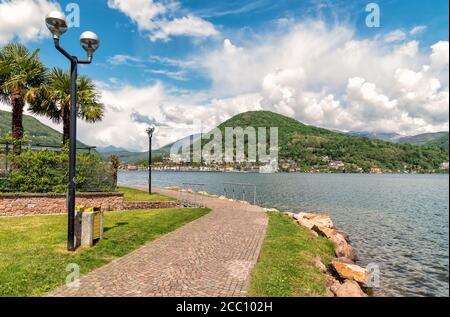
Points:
(24, 19)
(157, 19)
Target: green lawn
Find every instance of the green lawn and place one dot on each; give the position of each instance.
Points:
(33, 256)
(286, 266)
(132, 194)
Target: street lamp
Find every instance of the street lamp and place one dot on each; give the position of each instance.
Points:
(57, 24)
(150, 131)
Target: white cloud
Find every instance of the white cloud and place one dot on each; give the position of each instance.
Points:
(24, 19)
(188, 25)
(178, 75)
(121, 59)
(160, 21)
(440, 55)
(418, 29)
(395, 36)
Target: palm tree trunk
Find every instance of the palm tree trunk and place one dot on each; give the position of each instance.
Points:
(66, 124)
(17, 120)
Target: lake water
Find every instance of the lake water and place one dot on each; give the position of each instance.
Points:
(400, 222)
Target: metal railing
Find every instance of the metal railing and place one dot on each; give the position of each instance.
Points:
(240, 190)
(194, 192)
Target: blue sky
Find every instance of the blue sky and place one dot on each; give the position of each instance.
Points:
(236, 19)
(171, 62)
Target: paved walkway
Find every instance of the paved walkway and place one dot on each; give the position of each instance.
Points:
(211, 256)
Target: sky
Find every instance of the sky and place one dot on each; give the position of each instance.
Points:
(175, 63)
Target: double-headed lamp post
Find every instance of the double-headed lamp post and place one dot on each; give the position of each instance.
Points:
(57, 24)
(150, 132)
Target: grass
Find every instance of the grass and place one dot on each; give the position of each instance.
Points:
(132, 194)
(33, 249)
(286, 264)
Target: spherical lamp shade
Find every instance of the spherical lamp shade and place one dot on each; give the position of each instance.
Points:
(150, 131)
(56, 23)
(90, 42)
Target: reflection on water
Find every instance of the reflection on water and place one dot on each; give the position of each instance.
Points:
(400, 222)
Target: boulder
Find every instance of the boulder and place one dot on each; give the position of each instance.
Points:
(329, 292)
(203, 193)
(349, 289)
(335, 286)
(350, 271)
(343, 259)
(319, 220)
(344, 234)
(318, 264)
(342, 248)
(305, 223)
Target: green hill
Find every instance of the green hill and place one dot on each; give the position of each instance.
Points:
(36, 131)
(429, 139)
(309, 146)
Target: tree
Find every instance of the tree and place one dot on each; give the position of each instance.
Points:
(53, 100)
(21, 72)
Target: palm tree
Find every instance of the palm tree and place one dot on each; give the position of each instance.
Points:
(21, 72)
(53, 100)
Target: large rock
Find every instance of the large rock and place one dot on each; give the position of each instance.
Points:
(350, 271)
(319, 220)
(305, 223)
(349, 289)
(342, 248)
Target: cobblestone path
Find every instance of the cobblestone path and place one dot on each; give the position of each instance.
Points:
(211, 256)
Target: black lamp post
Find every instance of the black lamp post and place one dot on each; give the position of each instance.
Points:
(150, 131)
(57, 24)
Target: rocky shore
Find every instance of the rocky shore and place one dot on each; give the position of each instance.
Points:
(344, 277)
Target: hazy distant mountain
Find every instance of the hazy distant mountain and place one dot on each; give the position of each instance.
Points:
(110, 148)
(390, 137)
(142, 157)
(430, 139)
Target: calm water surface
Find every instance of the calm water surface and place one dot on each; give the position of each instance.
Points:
(400, 222)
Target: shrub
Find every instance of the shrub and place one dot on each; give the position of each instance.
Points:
(47, 171)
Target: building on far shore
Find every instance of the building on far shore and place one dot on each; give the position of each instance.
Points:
(444, 166)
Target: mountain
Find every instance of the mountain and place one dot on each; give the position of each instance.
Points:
(36, 131)
(439, 139)
(109, 149)
(130, 157)
(311, 146)
(384, 136)
(429, 139)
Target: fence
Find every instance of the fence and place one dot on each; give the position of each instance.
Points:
(240, 191)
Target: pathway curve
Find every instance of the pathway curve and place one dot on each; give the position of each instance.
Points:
(211, 256)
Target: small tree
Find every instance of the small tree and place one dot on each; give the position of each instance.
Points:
(21, 72)
(53, 100)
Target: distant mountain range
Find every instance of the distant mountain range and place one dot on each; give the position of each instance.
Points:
(310, 145)
(305, 144)
(428, 139)
(130, 157)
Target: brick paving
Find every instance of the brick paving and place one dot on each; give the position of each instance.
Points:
(211, 256)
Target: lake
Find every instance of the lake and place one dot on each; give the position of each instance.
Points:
(400, 222)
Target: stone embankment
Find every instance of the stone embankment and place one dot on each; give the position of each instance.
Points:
(344, 277)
